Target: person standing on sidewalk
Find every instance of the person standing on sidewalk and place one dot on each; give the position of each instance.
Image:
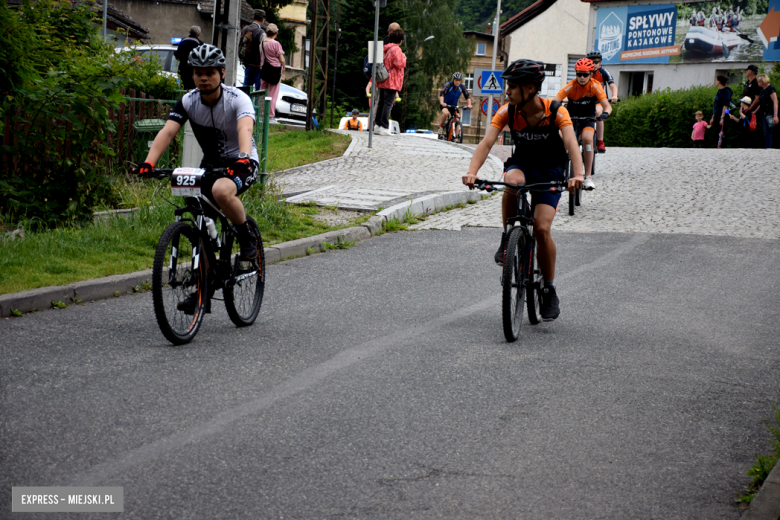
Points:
(252, 37)
(395, 63)
(272, 59)
(752, 90)
(722, 101)
(768, 104)
(182, 54)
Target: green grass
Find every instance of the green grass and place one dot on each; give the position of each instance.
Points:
(124, 245)
(759, 472)
(289, 148)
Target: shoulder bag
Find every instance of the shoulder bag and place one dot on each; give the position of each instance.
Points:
(270, 74)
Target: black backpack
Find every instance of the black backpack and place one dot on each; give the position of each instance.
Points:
(554, 106)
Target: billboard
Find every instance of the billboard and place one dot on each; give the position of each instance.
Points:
(745, 30)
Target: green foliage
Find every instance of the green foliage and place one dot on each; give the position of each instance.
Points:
(664, 119)
(476, 15)
(427, 62)
(68, 80)
(759, 472)
(144, 75)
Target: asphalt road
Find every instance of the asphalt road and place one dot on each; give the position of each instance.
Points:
(377, 384)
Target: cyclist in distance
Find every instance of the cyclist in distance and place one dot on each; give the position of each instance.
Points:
(542, 132)
(222, 119)
(584, 93)
(450, 95)
(601, 75)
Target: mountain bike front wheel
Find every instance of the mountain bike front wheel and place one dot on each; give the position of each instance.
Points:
(533, 295)
(244, 296)
(179, 283)
(457, 133)
(513, 290)
(572, 196)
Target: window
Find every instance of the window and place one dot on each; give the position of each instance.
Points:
(552, 80)
(468, 81)
(306, 46)
(481, 47)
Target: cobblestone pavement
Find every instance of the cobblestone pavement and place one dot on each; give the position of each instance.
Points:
(403, 163)
(692, 191)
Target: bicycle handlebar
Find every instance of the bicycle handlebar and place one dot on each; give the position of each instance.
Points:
(584, 118)
(540, 187)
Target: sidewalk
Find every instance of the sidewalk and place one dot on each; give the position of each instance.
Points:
(400, 173)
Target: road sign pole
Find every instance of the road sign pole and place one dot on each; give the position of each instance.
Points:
(496, 27)
(372, 111)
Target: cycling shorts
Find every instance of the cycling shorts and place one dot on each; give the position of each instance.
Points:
(532, 176)
(242, 182)
(586, 126)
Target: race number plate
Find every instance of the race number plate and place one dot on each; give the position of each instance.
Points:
(186, 182)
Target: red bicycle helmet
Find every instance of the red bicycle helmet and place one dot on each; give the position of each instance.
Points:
(584, 65)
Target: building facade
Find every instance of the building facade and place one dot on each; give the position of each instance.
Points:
(653, 45)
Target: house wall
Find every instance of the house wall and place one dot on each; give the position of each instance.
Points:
(674, 76)
(167, 20)
(560, 31)
(295, 15)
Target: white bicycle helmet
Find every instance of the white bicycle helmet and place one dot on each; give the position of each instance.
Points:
(207, 56)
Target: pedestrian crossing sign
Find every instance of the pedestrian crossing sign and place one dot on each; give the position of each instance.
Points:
(491, 82)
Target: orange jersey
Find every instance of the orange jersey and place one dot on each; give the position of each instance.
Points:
(540, 146)
(582, 100)
(501, 119)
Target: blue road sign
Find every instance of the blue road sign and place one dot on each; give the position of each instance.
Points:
(491, 82)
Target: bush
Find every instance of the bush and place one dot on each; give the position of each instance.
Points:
(664, 119)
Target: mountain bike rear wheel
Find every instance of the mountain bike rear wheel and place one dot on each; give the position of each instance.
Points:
(513, 290)
(572, 196)
(244, 297)
(179, 283)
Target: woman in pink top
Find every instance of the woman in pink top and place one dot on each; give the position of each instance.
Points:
(273, 52)
(395, 63)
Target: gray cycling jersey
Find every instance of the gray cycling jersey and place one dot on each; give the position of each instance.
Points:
(216, 128)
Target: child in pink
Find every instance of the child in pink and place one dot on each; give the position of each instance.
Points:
(698, 130)
(272, 51)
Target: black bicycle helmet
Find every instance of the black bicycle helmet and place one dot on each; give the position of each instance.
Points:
(525, 71)
(457, 75)
(207, 56)
(594, 55)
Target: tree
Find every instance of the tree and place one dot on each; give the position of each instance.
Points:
(427, 63)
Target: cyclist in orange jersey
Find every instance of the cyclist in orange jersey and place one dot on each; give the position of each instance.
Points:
(584, 93)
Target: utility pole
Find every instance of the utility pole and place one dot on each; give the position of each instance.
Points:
(318, 60)
(226, 25)
(335, 62)
(105, 20)
(496, 27)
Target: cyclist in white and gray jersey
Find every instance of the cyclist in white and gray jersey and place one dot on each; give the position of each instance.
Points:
(222, 118)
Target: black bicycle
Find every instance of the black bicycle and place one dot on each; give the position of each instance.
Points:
(193, 260)
(575, 199)
(520, 280)
(453, 130)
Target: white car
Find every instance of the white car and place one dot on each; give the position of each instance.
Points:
(291, 105)
(164, 53)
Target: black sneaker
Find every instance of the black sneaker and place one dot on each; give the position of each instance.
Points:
(550, 306)
(189, 304)
(499, 256)
(247, 259)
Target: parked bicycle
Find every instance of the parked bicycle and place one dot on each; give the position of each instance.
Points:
(453, 130)
(192, 258)
(575, 199)
(520, 280)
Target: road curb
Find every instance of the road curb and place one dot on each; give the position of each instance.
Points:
(766, 504)
(131, 283)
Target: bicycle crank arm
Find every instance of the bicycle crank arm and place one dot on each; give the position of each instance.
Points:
(243, 277)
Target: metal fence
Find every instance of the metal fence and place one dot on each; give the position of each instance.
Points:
(137, 121)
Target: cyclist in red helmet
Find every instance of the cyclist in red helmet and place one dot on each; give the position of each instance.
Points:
(601, 75)
(584, 93)
(542, 133)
